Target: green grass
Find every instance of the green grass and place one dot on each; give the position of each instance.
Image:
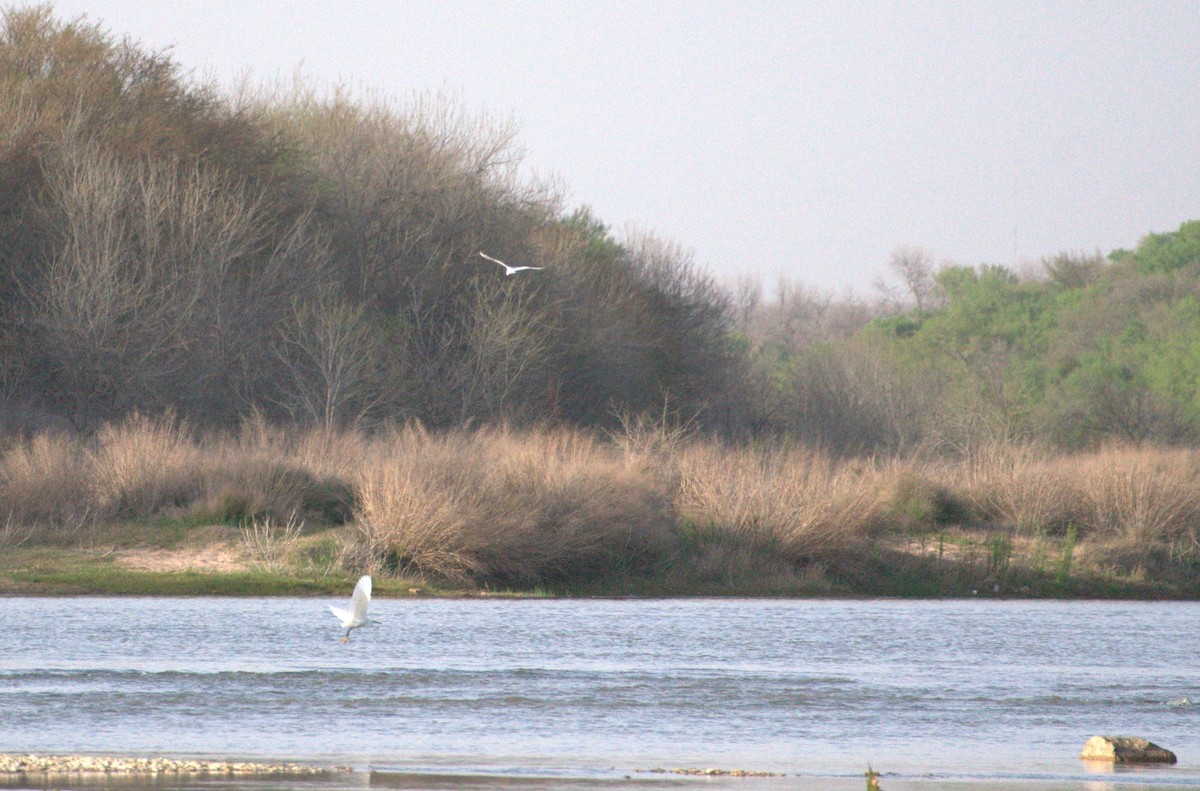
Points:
(123, 582)
(902, 579)
(706, 561)
(68, 571)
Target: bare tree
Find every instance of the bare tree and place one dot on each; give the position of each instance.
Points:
(408, 192)
(798, 318)
(332, 361)
(1074, 270)
(684, 319)
(102, 315)
(509, 342)
(915, 269)
(747, 296)
(162, 286)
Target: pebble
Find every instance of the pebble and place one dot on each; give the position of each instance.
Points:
(713, 772)
(92, 764)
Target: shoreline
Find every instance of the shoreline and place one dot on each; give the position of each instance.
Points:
(177, 568)
(110, 770)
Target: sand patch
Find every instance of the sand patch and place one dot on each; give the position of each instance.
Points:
(209, 549)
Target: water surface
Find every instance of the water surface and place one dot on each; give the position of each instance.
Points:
(932, 693)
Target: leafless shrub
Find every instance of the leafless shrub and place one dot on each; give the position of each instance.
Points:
(852, 398)
(650, 440)
(1024, 488)
(143, 465)
(14, 534)
(47, 480)
(503, 506)
(269, 543)
(797, 499)
(1143, 494)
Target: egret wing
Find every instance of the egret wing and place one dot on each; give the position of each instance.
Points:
(488, 257)
(342, 615)
(362, 595)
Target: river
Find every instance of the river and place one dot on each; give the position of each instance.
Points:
(581, 693)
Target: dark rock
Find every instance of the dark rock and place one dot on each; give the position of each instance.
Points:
(1125, 750)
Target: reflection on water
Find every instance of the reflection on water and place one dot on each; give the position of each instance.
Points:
(542, 694)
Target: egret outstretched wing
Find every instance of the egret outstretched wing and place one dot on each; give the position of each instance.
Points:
(508, 270)
(360, 598)
(356, 616)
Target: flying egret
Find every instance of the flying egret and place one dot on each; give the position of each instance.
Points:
(356, 616)
(508, 270)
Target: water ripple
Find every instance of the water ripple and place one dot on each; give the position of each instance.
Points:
(983, 686)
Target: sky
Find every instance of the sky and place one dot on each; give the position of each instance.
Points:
(799, 140)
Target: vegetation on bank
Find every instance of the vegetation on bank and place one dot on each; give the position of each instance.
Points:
(650, 510)
(263, 310)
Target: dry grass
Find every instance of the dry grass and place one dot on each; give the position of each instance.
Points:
(797, 499)
(151, 467)
(47, 480)
(506, 507)
(412, 510)
(142, 465)
(265, 472)
(1142, 494)
(1119, 492)
(1023, 489)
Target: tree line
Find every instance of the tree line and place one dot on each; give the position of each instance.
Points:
(1080, 350)
(310, 255)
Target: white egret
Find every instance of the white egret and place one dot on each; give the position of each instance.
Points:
(508, 270)
(356, 616)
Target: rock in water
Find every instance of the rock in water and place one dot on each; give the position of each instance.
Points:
(1125, 750)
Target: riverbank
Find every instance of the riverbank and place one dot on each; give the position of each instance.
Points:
(24, 771)
(221, 561)
(148, 507)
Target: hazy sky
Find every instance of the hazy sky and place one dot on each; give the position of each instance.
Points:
(805, 139)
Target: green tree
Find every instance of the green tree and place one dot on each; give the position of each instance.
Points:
(1166, 252)
(983, 348)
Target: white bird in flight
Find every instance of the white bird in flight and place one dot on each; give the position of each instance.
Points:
(356, 616)
(508, 270)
